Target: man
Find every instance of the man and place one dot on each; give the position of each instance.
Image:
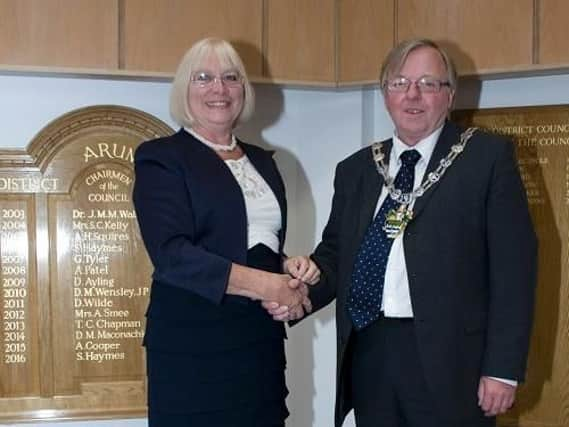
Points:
(434, 288)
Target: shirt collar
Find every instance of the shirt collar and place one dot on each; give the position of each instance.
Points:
(425, 146)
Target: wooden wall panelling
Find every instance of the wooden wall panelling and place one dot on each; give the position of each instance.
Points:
(20, 361)
(155, 34)
(59, 33)
(300, 41)
(553, 32)
(74, 274)
(482, 35)
(366, 33)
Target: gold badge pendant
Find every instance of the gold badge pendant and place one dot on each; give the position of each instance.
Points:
(397, 220)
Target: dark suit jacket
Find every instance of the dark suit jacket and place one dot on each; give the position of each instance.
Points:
(471, 256)
(193, 222)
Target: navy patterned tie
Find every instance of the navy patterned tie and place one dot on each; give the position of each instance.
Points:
(364, 300)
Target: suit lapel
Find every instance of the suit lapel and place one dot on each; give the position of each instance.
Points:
(449, 136)
(372, 183)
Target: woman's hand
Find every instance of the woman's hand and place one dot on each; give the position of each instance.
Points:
(290, 300)
(303, 268)
(295, 308)
(285, 290)
(286, 296)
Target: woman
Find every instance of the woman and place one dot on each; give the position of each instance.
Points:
(212, 213)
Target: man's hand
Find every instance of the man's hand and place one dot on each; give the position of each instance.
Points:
(302, 268)
(282, 312)
(285, 290)
(495, 397)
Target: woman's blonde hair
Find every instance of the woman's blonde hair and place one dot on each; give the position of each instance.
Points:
(192, 60)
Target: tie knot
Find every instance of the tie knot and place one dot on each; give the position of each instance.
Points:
(410, 157)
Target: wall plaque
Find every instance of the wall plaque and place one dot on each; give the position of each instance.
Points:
(73, 269)
(541, 135)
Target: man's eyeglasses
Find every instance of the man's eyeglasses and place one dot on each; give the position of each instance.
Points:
(424, 84)
(229, 79)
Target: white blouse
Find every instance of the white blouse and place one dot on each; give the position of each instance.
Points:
(263, 211)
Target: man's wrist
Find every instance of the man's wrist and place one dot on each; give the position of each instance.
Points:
(513, 383)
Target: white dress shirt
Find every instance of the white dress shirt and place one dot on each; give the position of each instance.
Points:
(396, 301)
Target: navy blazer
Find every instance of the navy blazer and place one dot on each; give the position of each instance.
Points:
(193, 222)
(471, 258)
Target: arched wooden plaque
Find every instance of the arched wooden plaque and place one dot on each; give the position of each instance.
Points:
(542, 140)
(74, 272)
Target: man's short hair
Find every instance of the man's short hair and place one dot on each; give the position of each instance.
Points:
(398, 55)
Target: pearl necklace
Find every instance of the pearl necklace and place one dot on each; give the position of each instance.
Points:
(213, 145)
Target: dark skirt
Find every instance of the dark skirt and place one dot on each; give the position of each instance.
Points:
(232, 375)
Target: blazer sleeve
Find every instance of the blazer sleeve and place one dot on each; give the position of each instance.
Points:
(165, 215)
(326, 254)
(512, 257)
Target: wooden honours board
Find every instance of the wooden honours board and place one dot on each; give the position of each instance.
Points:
(541, 135)
(73, 269)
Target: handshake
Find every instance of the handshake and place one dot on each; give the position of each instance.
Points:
(289, 300)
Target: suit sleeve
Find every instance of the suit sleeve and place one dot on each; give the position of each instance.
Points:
(326, 254)
(280, 194)
(512, 257)
(165, 215)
